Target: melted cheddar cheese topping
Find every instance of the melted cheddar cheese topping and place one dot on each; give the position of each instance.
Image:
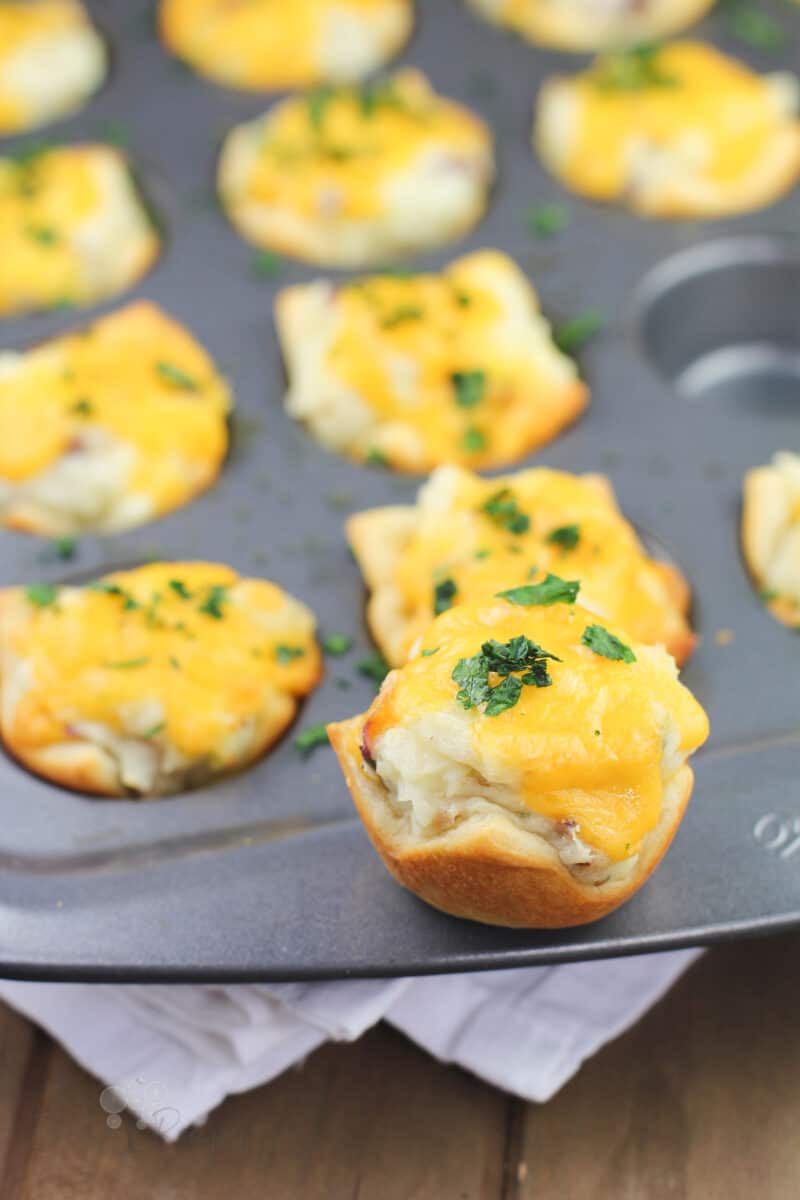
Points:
(589, 749)
(572, 528)
(206, 645)
(692, 99)
(72, 228)
(264, 44)
(585, 25)
(455, 367)
(136, 376)
(50, 60)
(338, 149)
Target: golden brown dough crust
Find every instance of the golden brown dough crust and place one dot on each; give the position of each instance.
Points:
(488, 869)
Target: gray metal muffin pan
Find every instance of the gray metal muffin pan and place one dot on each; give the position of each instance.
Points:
(696, 377)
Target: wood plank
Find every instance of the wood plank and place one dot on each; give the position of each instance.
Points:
(701, 1101)
(16, 1043)
(378, 1119)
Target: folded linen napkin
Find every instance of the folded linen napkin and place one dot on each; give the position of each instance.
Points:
(171, 1053)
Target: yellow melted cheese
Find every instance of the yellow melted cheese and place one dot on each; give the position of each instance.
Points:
(463, 543)
(91, 653)
(138, 376)
(23, 25)
(587, 749)
(260, 44)
(48, 201)
(718, 103)
(401, 340)
(348, 143)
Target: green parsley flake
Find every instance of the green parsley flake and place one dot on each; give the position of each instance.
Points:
(571, 335)
(113, 589)
(374, 666)
(473, 441)
(469, 387)
(546, 220)
(551, 590)
(318, 102)
(41, 595)
(65, 548)
(310, 738)
(82, 407)
(173, 662)
(566, 536)
(482, 553)
(337, 644)
(632, 70)
(45, 235)
(127, 664)
(756, 28)
(601, 642)
(768, 595)
(154, 729)
(212, 605)
(430, 653)
(180, 589)
(267, 264)
(402, 314)
(286, 654)
(178, 378)
(376, 458)
(444, 593)
(518, 663)
(503, 510)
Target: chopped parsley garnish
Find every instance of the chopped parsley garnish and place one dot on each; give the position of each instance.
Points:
(503, 510)
(318, 102)
(546, 220)
(128, 664)
(473, 441)
(462, 299)
(755, 28)
(82, 407)
(65, 548)
(154, 729)
(566, 536)
(310, 738)
(374, 666)
(180, 589)
(286, 654)
(178, 378)
(551, 590)
(470, 387)
(518, 663)
(632, 71)
(444, 593)
(173, 662)
(482, 553)
(45, 235)
(337, 644)
(41, 595)
(212, 605)
(606, 645)
(430, 653)
(376, 458)
(571, 335)
(382, 93)
(267, 264)
(113, 589)
(768, 595)
(403, 313)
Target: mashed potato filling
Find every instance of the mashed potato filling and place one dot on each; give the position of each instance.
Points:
(633, 118)
(584, 760)
(51, 59)
(411, 371)
(475, 532)
(274, 44)
(73, 227)
(186, 660)
(117, 422)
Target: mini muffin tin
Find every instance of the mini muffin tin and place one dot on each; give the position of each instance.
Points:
(696, 377)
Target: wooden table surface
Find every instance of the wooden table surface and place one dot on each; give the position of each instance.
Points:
(701, 1101)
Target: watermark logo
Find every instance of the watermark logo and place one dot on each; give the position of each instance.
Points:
(146, 1098)
(778, 834)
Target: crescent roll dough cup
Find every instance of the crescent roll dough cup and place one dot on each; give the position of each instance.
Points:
(586, 25)
(547, 813)
(153, 680)
(574, 528)
(771, 534)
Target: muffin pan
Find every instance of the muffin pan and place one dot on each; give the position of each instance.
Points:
(695, 378)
